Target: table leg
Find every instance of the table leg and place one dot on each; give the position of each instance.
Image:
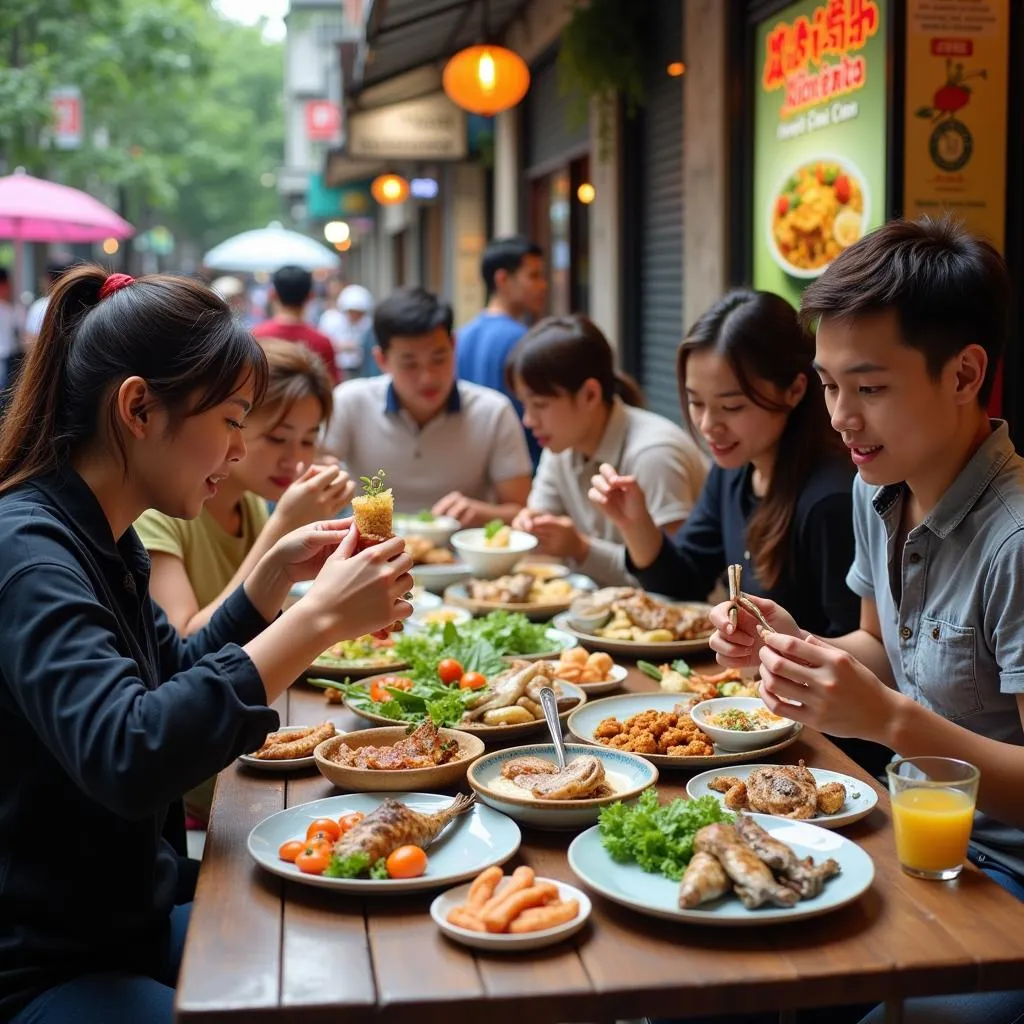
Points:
(894, 1011)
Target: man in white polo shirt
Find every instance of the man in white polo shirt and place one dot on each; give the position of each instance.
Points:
(453, 447)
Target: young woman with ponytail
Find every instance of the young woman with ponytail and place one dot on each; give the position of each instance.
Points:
(778, 498)
(584, 414)
(134, 397)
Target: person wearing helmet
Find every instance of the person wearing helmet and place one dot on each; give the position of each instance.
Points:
(347, 327)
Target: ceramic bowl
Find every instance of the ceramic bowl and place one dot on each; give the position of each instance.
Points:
(438, 616)
(632, 773)
(436, 530)
(490, 563)
(437, 578)
(367, 780)
(732, 739)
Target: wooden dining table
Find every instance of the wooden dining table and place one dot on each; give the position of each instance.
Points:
(264, 949)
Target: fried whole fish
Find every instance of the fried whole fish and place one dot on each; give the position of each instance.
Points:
(393, 825)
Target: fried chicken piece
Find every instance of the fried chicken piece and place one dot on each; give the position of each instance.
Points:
(754, 883)
(422, 748)
(705, 880)
(804, 877)
(695, 748)
(735, 791)
(831, 797)
(661, 723)
(608, 728)
(785, 790)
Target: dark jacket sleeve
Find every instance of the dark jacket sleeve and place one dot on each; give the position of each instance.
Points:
(236, 621)
(130, 748)
(824, 555)
(689, 564)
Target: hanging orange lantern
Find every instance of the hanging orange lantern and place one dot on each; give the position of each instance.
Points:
(486, 79)
(389, 189)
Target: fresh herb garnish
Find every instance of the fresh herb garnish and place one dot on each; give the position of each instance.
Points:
(351, 866)
(373, 485)
(492, 528)
(380, 869)
(658, 837)
(682, 668)
(425, 516)
(652, 671)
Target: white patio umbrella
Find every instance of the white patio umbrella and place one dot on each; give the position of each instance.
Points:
(269, 248)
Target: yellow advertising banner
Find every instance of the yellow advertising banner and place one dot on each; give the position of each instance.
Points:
(956, 112)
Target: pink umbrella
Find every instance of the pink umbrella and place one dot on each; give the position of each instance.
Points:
(33, 210)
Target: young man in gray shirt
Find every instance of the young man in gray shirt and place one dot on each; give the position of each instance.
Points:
(911, 322)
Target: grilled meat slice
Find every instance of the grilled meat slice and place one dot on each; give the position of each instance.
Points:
(754, 883)
(705, 880)
(582, 776)
(527, 766)
(513, 589)
(393, 825)
(283, 746)
(804, 877)
(423, 748)
(502, 691)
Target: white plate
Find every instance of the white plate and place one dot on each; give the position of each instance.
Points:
(583, 721)
(291, 764)
(436, 577)
(657, 895)
(613, 682)
(421, 619)
(447, 902)
(860, 796)
(474, 841)
(636, 648)
(458, 594)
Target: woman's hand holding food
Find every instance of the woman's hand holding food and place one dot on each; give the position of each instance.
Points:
(823, 686)
(355, 594)
(558, 537)
(738, 644)
(301, 554)
(320, 492)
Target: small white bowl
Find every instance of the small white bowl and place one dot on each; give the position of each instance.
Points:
(436, 530)
(731, 739)
(437, 578)
(438, 616)
(490, 563)
(501, 942)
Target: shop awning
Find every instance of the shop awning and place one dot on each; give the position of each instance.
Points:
(405, 34)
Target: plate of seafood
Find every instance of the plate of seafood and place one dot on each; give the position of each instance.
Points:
(794, 791)
(383, 842)
(758, 870)
(290, 749)
(660, 727)
(629, 621)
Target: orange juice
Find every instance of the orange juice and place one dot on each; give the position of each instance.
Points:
(932, 827)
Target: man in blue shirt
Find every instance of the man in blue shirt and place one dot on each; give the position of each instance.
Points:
(513, 272)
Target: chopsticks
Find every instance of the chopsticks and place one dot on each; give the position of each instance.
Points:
(740, 600)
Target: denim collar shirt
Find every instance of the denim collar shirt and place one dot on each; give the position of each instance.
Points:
(946, 600)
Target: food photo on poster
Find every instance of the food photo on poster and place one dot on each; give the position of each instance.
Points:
(819, 138)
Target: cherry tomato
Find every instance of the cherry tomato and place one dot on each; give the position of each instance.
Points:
(379, 687)
(320, 839)
(782, 207)
(472, 681)
(406, 862)
(290, 850)
(449, 670)
(326, 825)
(842, 187)
(314, 859)
(347, 821)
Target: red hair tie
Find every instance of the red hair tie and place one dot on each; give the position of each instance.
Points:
(114, 283)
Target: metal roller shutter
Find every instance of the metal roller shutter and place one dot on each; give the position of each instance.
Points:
(661, 222)
(553, 135)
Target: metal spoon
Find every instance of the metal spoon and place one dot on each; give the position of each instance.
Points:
(549, 703)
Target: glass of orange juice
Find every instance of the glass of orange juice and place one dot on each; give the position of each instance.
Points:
(932, 813)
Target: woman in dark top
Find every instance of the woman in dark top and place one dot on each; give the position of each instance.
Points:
(778, 498)
(133, 398)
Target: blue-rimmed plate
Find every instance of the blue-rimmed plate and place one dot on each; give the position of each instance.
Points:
(860, 796)
(658, 896)
(473, 841)
(628, 775)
